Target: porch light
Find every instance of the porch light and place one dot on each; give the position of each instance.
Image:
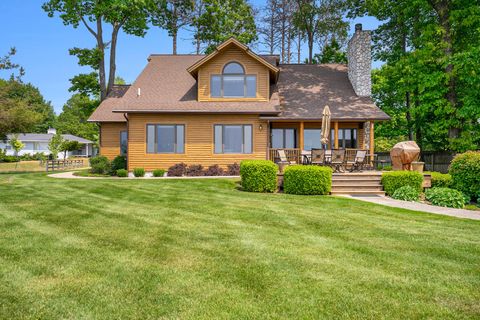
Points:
(260, 127)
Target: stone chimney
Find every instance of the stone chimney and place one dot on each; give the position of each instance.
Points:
(359, 57)
(52, 131)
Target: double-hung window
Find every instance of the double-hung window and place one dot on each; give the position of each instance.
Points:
(283, 138)
(233, 83)
(233, 138)
(165, 138)
(347, 138)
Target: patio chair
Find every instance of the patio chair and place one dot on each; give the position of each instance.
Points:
(338, 160)
(283, 157)
(328, 157)
(359, 161)
(318, 157)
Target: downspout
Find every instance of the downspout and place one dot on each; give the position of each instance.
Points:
(128, 142)
(268, 140)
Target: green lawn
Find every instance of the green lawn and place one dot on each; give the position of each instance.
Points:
(188, 249)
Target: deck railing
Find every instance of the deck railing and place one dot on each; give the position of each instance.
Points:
(293, 154)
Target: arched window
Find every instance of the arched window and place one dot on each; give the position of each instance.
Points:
(233, 83)
(233, 68)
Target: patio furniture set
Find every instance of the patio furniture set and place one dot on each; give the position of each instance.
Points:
(336, 159)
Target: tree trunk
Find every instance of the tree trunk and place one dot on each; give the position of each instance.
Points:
(101, 64)
(299, 47)
(289, 43)
(174, 40)
(174, 28)
(441, 7)
(310, 47)
(113, 54)
(408, 116)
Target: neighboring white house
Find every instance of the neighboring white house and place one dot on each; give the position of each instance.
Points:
(38, 143)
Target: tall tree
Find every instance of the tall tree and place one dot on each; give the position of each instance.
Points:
(223, 19)
(172, 15)
(6, 63)
(127, 15)
(268, 26)
(74, 117)
(318, 19)
(23, 109)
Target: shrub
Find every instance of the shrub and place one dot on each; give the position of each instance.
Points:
(406, 193)
(158, 173)
(307, 180)
(122, 173)
(395, 179)
(384, 168)
(214, 170)
(177, 170)
(139, 172)
(120, 162)
(258, 175)
(195, 170)
(465, 172)
(233, 169)
(100, 165)
(445, 197)
(440, 180)
(9, 159)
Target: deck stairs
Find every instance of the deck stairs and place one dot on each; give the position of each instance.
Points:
(358, 183)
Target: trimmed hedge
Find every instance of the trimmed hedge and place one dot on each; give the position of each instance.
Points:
(139, 172)
(440, 180)
(100, 165)
(122, 173)
(396, 179)
(258, 175)
(120, 162)
(406, 193)
(445, 197)
(158, 173)
(308, 180)
(465, 172)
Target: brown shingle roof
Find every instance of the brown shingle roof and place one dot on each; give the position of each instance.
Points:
(304, 91)
(104, 113)
(166, 86)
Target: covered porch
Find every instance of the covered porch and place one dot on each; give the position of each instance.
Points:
(298, 138)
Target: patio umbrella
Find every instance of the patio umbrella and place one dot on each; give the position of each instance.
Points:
(325, 125)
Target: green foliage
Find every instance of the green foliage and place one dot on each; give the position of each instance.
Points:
(308, 180)
(319, 20)
(406, 193)
(122, 173)
(99, 165)
(74, 116)
(258, 175)
(445, 197)
(68, 146)
(119, 162)
(139, 172)
(441, 180)
(396, 179)
(429, 84)
(331, 53)
(7, 64)
(23, 109)
(158, 173)
(223, 19)
(16, 144)
(465, 172)
(86, 84)
(54, 145)
(385, 144)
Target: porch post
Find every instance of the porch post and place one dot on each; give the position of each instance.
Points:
(300, 137)
(335, 128)
(372, 140)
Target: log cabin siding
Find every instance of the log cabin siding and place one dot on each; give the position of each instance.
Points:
(199, 140)
(251, 66)
(110, 138)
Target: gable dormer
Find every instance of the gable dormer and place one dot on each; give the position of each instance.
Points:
(233, 73)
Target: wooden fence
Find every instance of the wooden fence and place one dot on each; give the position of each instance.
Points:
(434, 160)
(52, 165)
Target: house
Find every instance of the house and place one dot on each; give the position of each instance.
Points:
(38, 143)
(234, 104)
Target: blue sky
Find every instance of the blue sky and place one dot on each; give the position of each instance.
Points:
(42, 44)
